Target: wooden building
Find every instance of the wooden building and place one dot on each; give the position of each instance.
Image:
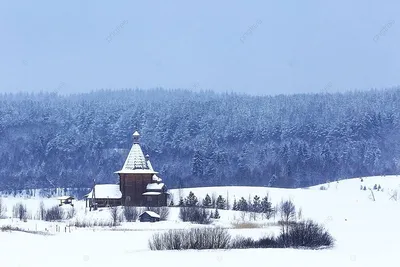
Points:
(104, 195)
(135, 177)
(66, 200)
(138, 185)
(149, 216)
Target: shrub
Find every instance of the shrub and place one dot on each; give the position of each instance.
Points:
(55, 213)
(86, 223)
(71, 213)
(247, 242)
(195, 215)
(162, 211)
(201, 238)
(115, 216)
(307, 234)
(131, 214)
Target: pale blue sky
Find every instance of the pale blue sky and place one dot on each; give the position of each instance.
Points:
(290, 46)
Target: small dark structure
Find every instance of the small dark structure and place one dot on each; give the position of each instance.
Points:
(149, 216)
(66, 200)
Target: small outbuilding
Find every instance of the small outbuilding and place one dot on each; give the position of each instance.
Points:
(66, 200)
(149, 216)
(104, 195)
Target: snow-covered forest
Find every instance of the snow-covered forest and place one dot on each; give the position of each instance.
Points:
(198, 139)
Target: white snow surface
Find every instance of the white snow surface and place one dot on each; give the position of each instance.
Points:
(366, 231)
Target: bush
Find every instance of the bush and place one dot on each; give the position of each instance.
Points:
(131, 214)
(247, 242)
(55, 213)
(195, 215)
(71, 213)
(85, 223)
(201, 238)
(115, 216)
(162, 211)
(307, 234)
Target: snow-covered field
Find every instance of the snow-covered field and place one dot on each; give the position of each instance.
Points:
(366, 231)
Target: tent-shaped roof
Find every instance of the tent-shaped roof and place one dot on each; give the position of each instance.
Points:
(105, 191)
(136, 162)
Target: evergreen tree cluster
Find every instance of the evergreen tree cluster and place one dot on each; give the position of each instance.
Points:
(198, 139)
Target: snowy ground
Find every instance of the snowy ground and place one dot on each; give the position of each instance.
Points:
(366, 232)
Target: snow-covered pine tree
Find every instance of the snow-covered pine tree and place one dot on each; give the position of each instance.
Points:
(207, 201)
(191, 200)
(216, 214)
(220, 203)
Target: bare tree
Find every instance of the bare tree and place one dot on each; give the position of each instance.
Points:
(115, 216)
(287, 211)
(300, 214)
(393, 195)
(131, 214)
(3, 209)
(71, 213)
(19, 211)
(42, 211)
(372, 194)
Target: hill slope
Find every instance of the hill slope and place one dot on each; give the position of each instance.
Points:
(198, 139)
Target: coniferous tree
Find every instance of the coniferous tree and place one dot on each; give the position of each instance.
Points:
(191, 200)
(216, 214)
(220, 203)
(207, 201)
(234, 207)
(242, 205)
(266, 207)
(256, 206)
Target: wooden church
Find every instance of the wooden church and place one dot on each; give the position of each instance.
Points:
(139, 184)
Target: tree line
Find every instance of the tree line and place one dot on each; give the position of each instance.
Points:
(198, 138)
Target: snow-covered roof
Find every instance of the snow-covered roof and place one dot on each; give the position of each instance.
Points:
(155, 186)
(65, 198)
(136, 162)
(151, 194)
(156, 178)
(151, 214)
(149, 163)
(106, 191)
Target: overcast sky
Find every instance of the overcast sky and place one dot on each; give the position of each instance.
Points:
(258, 47)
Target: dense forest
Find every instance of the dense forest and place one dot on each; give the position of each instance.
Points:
(198, 138)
